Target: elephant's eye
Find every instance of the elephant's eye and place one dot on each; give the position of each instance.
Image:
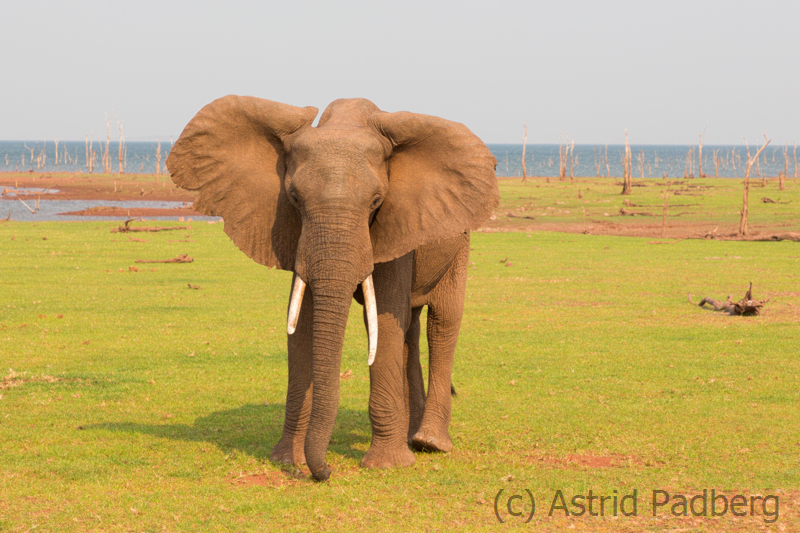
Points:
(293, 196)
(376, 201)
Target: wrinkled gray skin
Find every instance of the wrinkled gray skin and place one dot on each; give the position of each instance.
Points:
(364, 192)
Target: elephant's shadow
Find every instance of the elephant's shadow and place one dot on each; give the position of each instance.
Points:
(253, 430)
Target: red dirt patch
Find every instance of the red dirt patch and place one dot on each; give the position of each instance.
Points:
(133, 212)
(278, 478)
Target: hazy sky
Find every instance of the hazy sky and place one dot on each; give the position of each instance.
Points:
(665, 70)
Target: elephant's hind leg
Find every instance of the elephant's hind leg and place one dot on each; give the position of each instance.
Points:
(414, 384)
(445, 309)
(290, 449)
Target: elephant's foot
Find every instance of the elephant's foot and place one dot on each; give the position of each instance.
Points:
(289, 452)
(426, 440)
(323, 473)
(388, 458)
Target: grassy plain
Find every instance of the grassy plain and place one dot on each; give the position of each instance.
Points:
(695, 207)
(132, 402)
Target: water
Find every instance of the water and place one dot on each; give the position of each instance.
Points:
(50, 210)
(40, 156)
(657, 161)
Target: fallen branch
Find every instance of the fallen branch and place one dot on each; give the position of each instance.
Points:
(512, 215)
(625, 212)
(26, 205)
(183, 258)
(8, 219)
(127, 228)
(744, 307)
(791, 236)
(771, 201)
(627, 203)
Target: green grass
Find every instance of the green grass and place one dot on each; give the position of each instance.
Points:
(135, 403)
(703, 203)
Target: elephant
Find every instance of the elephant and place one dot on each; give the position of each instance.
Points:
(366, 205)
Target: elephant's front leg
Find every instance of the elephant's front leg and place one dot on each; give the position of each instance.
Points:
(387, 409)
(298, 396)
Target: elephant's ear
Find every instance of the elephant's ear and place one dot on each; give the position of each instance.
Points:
(233, 152)
(441, 183)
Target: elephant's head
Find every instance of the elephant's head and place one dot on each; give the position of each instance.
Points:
(328, 202)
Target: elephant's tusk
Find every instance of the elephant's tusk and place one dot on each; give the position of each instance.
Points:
(372, 317)
(294, 305)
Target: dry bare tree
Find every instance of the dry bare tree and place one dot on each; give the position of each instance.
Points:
(122, 150)
(104, 156)
(92, 158)
(795, 160)
(23, 157)
(716, 163)
(688, 170)
(524, 142)
(640, 161)
(785, 165)
(55, 139)
(563, 148)
(608, 167)
(158, 160)
(571, 160)
(626, 167)
(750, 162)
(700, 154)
(597, 161)
(758, 167)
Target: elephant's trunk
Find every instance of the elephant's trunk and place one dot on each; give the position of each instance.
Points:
(332, 263)
(330, 318)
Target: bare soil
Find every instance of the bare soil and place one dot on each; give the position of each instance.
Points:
(134, 212)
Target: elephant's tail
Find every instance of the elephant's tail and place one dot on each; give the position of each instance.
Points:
(453, 392)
